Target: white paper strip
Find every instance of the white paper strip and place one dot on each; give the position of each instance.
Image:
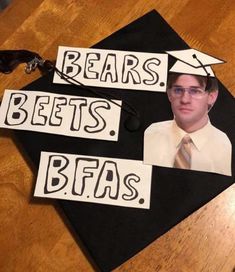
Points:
(113, 68)
(75, 116)
(102, 180)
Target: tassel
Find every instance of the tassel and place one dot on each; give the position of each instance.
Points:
(10, 59)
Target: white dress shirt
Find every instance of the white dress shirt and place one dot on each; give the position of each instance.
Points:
(211, 148)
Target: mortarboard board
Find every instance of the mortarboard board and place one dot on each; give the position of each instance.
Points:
(113, 234)
(192, 61)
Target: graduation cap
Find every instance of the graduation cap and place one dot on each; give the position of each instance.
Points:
(112, 234)
(192, 61)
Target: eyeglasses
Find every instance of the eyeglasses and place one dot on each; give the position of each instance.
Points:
(194, 92)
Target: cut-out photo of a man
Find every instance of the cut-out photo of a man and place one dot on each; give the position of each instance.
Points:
(189, 141)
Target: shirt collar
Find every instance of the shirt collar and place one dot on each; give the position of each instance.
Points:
(198, 137)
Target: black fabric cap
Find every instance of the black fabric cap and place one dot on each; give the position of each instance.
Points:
(113, 234)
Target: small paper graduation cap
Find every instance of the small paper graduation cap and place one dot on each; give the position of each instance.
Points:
(192, 61)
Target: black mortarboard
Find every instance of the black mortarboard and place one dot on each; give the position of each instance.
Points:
(113, 234)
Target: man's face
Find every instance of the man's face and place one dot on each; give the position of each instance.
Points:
(190, 112)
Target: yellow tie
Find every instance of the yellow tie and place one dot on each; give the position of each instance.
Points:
(183, 156)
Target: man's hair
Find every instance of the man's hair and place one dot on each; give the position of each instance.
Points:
(210, 83)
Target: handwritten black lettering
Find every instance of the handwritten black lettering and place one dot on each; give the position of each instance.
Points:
(83, 173)
(91, 58)
(55, 118)
(74, 116)
(16, 115)
(130, 62)
(55, 179)
(69, 66)
(108, 181)
(77, 103)
(93, 179)
(133, 192)
(113, 68)
(109, 69)
(37, 117)
(147, 68)
(100, 122)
